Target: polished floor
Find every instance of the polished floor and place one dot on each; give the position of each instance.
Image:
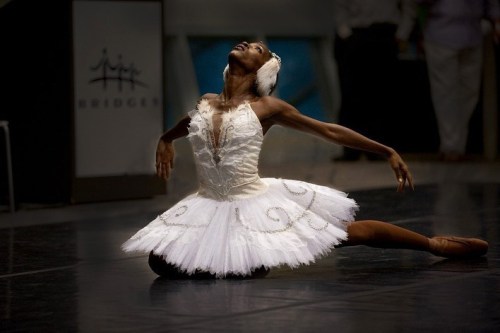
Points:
(62, 270)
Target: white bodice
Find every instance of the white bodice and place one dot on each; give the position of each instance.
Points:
(228, 168)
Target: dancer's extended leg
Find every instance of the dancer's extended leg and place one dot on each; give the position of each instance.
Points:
(385, 235)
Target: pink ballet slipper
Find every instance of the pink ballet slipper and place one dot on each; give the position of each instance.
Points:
(457, 247)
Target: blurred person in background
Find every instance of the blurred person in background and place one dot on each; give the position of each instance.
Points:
(369, 36)
(453, 44)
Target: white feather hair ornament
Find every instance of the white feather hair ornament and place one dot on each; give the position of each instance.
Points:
(267, 75)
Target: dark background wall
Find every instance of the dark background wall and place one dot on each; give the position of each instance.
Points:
(36, 97)
(36, 78)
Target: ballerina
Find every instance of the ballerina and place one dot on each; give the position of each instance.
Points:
(239, 224)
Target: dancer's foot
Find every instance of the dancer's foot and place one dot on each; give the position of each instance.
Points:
(457, 247)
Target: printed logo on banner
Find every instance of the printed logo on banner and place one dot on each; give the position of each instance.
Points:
(118, 81)
(108, 72)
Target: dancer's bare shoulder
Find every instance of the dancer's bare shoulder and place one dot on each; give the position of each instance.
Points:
(272, 109)
(268, 106)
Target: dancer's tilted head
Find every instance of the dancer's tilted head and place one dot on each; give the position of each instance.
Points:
(255, 58)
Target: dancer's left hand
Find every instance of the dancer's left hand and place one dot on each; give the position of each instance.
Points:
(403, 174)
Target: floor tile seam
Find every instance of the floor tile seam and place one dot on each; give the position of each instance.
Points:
(428, 217)
(11, 222)
(38, 271)
(411, 219)
(334, 298)
(57, 268)
(100, 261)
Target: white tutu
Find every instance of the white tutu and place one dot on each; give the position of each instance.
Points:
(291, 223)
(238, 222)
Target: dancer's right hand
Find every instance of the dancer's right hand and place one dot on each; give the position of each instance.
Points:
(164, 159)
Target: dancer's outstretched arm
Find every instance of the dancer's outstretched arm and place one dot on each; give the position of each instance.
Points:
(272, 111)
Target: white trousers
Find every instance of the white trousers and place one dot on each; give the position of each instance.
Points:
(455, 78)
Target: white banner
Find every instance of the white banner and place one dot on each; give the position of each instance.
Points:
(118, 83)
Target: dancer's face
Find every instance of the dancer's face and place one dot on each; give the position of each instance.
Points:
(250, 55)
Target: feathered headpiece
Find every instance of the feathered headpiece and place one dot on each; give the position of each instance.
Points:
(267, 75)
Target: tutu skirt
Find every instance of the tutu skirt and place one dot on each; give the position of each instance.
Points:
(290, 223)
